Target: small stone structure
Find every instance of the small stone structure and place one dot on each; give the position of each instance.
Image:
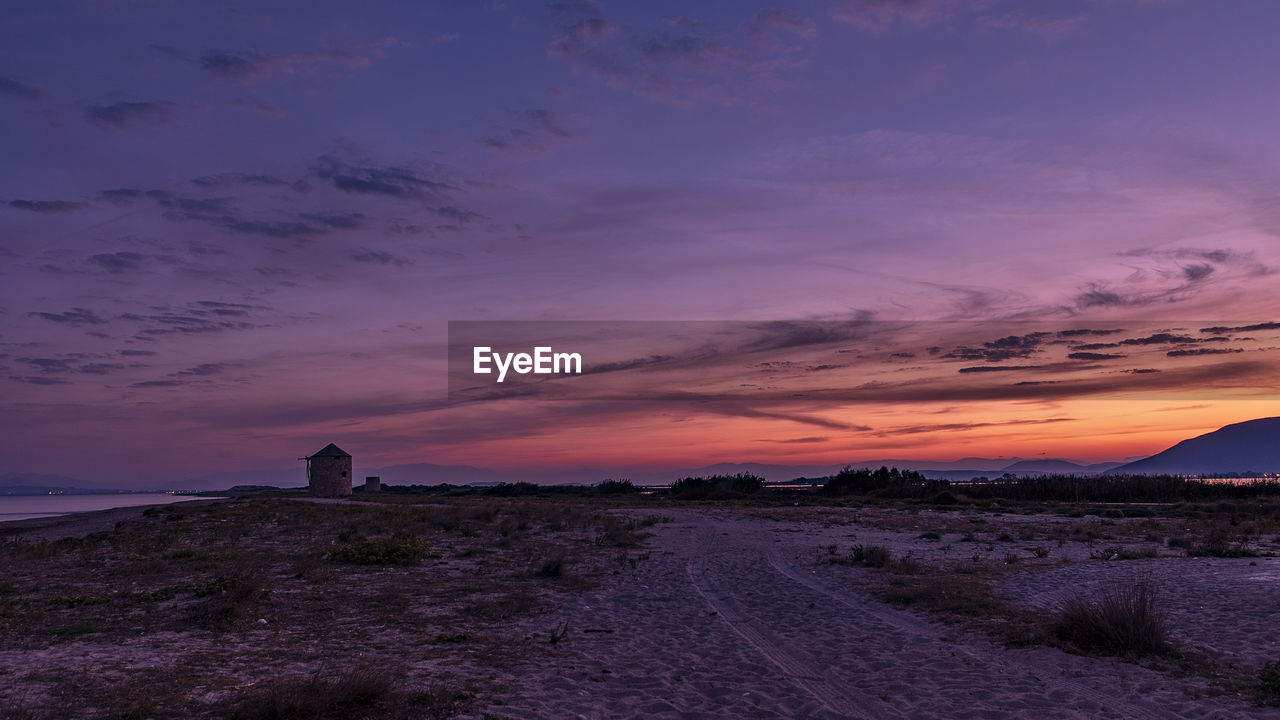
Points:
(329, 472)
(373, 484)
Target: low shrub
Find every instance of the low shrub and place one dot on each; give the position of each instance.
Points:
(552, 567)
(1123, 620)
(616, 487)
(879, 556)
(1123, 553)
(361, 694)
(351, 695)
(944, 498)
(618, 531)
(1221, 551)
(863, 480)
(1269, 682)
(716, 486)
(396, 550)
(876, 556)
(227, 600)
(517, 489)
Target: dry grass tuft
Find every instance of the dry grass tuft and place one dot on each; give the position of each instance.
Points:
(1269, 683)
(552, 567)
(400, 549)
(362, 694)
(1123, 620)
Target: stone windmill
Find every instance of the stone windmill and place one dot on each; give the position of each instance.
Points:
(329, 472)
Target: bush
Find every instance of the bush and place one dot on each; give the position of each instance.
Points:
(1124, 620)
(616, 487)
(1218, 541)
(619, 531)
(518, 489)
(361, 694)
(1269, 682)
(552, 567)
(864, 480)
(944, 498)
(1117, 489)
(317, 697)
(396, 550)
(876, 556)
(716, 486)
(227, 600)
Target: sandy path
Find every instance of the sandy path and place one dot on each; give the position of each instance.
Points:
(730, 618)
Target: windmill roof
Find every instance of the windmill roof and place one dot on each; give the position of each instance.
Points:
(332, 450)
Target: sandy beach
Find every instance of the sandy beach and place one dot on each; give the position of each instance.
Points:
(732, 616)
(79, 524)
(669, 611)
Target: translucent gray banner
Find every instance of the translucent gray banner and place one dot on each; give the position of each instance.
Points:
(860, 361)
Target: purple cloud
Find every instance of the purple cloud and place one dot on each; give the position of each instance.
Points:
(10, 87)
(48, 207)
(127, 115)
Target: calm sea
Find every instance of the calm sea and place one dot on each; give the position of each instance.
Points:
(23, 507)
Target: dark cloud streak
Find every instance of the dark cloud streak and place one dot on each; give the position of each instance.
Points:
(74, 316)
(126, 115)
(9, 87)
(48, 207)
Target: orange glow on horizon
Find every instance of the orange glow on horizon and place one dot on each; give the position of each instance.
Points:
(1087, 431)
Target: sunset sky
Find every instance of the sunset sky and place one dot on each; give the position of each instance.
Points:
(233, 233)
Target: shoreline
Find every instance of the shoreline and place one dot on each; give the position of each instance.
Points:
(83, 522)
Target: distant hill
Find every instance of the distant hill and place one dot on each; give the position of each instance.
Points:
(1058, 467)
(432, 474)
(14, 483)
(410, 474)
(293, 477)
(964, 467)
(1251, 446)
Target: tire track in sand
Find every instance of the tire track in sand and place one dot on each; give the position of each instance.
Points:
(796, 670)
(925, 632)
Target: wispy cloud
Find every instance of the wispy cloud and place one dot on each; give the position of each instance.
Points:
(378, 257)
(74, 316)
(1049, 28)
(9, 87)
(539, 131)
(197, 318)
(253, 67)
(881, 15)
(683, 60)
(48, 207)
(127, 115)
(785, 20)
(390, 181)
(119, 262)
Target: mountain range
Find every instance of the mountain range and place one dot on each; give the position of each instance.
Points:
(1247, 447)
(432, 474)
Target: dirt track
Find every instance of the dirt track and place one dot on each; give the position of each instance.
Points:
(731, 617)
